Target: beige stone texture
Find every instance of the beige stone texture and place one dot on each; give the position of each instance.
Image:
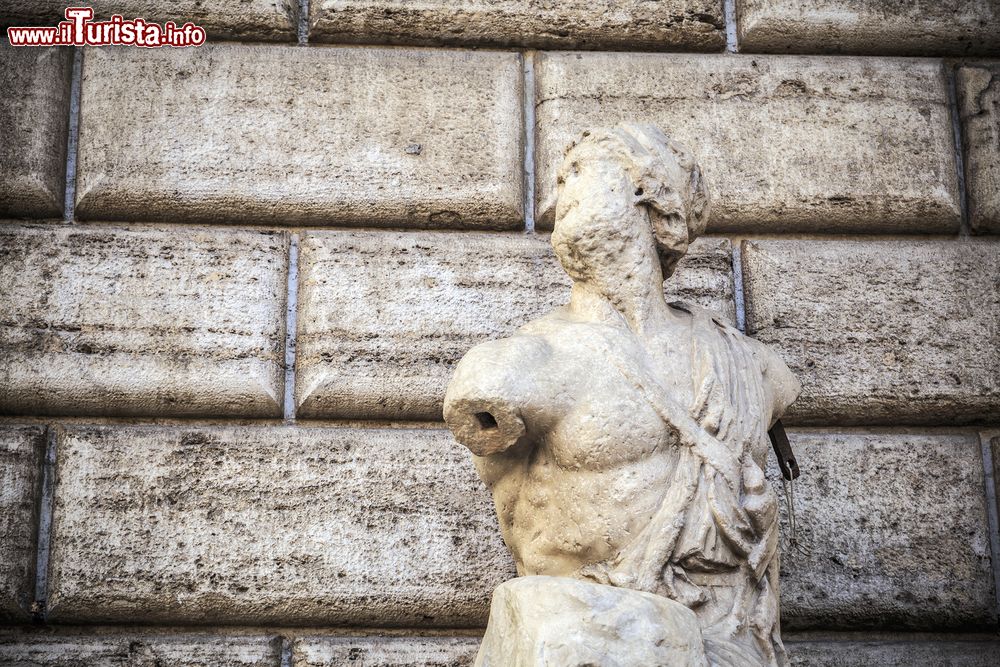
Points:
(272, 20)
(541, 621)
(384, 316)
(257, 525)
(887, 27)
(899, 653)
(101, 320)
(687, 25)
(291, 135)
(34, 119)
(881, 331)
(385, 651)
(978, 89)
(811, 144)
(22, 449)
(897, 526)
(138, 649)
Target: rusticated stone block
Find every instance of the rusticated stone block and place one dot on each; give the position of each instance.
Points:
(385, 651)
(942, 27)
(287, 135)
(812, 144)
(461, 652)
(693, 25)
(118, 321)
(271, 525)
(881, 331)
(34, 118)
(384, 317)
(274, 20)
(979, 105)
(825, 653)
(128, 650)
(896, 529)
(21, 451)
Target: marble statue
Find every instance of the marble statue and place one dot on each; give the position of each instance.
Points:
(624, 439)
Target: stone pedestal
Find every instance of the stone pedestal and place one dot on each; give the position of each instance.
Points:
(565, 622)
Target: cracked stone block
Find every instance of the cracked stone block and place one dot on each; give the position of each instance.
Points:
(942, 27)
(881, 331)
(269, 20)
(22, 449)
(384, 317)
(272, 524)
(285, 135)
(385, 651)
(894, 533)
(131, 649)
(140, 321)
(34, 121)
(686, 25)
(978, 89)
(788, 144)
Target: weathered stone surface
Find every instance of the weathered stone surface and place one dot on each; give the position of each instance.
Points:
(131, 650)
(274, 20)
(385, 651)
(893, 653)
(881, 331)
(696, 25)
(898, 533)
(21, 451)
(34, 117)
(461, 651)
(942, 27)
(565, 621)
(979, 106)
(812, 144)
(384, 317)
(624, 440)
(284, 135)
(141, 321)
(271, 525)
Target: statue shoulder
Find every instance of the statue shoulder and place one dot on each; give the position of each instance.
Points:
(780, 383)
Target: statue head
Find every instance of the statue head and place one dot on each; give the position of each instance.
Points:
(624, 193)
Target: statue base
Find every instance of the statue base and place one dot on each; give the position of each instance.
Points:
(558, 621)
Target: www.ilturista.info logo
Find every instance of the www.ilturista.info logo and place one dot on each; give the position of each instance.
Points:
(79, 30)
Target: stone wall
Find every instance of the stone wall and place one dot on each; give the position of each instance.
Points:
(234, 280)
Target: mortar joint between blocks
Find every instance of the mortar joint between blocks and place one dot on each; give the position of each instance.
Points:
(729, 14)
(39, 608)
(291, 328)
(73, 137)
(965, 229)
(528, 116)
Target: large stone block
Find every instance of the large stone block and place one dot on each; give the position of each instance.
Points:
(34, 120)
(141, 321)
(271, 525)
(384, 317)
(461, 651)
(135, 649)
(881, 331)
(275, 20)
(896, 529)
(385, 651)
(693, 25)
(979, 106)
(942, 27)
(896, 653)
(812, 144)
(21, 451)
(288, 135)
